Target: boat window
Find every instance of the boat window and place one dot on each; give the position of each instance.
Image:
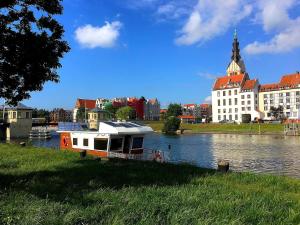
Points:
(137, 142)
(85, 142)
(116, 144)
(75, 141)
(100, 144)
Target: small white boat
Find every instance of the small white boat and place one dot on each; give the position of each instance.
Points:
(112, 140)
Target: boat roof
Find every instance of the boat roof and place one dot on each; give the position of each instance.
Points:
(109, 127)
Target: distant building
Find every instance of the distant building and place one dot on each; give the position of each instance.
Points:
(19, 121)
(100, 103)
(138, 106)
(286, 93)
(95, 116)
(61, 115)
(86, 104)
(206, 110)
(191, 110)
(189, 119)
(152, 109)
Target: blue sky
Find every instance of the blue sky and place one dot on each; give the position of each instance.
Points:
(169, 49)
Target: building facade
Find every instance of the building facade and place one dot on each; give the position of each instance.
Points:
(235, 94)
(86, 104)
(61, 115)
(191, 110)
(286, 94)
(151, 109)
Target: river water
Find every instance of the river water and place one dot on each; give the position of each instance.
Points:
(256, 153)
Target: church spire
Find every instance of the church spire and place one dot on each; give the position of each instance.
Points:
(235, 49)
(236, 66)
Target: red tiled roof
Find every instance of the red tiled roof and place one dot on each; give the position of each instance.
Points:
(229, 81)
(269, 87)
(249, 85)
(86, 103)
(205, 105)
(186, 117)
(287, 81)
(292, 80)
(189, 105)
(163, 110)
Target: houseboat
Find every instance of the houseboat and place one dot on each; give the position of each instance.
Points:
(111, 140)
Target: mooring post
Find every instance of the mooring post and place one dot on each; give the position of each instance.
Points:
(223, 166)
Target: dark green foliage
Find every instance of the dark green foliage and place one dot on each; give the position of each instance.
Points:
(171, 124)
(40, 113)
(81, 115)
(126, 113)
(31, 46)
(110, 109)
(174, 110)
(42, 186)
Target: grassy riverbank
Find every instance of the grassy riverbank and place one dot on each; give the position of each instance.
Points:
(41, 186)
(225, 128)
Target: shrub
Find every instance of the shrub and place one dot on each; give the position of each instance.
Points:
(171, 124)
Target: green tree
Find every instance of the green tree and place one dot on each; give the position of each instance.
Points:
(174, 110)
(277, 113)
(31, 46)
(171, 125)
(125, 113)
(110, 109)
(81, 115)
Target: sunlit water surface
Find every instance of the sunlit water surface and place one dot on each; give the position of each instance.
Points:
(261, 154)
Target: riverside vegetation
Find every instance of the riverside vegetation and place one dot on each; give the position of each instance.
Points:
(42, 186)
(224, 128)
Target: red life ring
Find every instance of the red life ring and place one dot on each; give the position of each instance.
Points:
(65, 141)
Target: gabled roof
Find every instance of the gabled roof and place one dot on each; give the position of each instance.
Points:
(269, 87)
(205, 105)
(85, 103)
(292, 80)
(189, 105)
(186, 117)
(229, 81)
(286, 82)
(249, 84)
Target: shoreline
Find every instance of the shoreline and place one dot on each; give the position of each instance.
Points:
(229, 132)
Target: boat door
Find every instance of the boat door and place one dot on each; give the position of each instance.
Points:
(127, 144)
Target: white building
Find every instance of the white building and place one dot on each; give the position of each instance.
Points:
(286, 93)
(235, 95)
(191, 110)
(100, 103)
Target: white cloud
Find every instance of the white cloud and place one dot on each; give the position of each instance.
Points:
(274, 16)
(174, 10)
(208, 100)
(212, 18)
(104, 37)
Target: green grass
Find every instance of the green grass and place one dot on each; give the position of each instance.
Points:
(225, 128)
(39, 186)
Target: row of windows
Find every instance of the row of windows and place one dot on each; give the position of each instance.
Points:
(230, 117)
(287, 94)
(13, 115)
(229, 110)
(229, 93)
(115, 144)
(287, 100)
(229, 102)
(285, 107)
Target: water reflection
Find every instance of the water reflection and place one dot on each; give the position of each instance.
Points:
(261, 154)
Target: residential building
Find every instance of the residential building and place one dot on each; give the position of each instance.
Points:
(286, 93)
(206, 110)
(151, 109)
(235, 94)
(61, 115)
(95, 116)
(191, 110)
(19, 120)
(138, 106)
(100, 103)
(86, 104)
(189, 119)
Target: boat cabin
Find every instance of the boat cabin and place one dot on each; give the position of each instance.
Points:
(112, 139)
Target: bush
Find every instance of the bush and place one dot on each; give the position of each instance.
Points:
(171, 125)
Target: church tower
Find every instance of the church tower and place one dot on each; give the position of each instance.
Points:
(236, 65)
